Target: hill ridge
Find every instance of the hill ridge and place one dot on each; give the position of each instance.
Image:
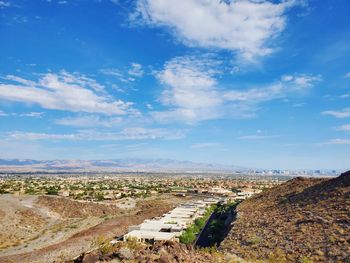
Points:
(283, 220)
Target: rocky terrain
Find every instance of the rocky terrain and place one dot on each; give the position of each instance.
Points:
(54, 229)
(303, 220)
(163, 252)
(77, 209)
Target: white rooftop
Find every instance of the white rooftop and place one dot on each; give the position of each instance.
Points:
(139, 234)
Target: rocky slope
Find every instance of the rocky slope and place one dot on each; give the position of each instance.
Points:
(84, 238)
(76, 209)
(303, 220)
(161, 252)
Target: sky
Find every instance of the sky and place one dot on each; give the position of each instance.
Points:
(254, 83)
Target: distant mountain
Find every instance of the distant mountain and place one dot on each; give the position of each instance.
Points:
(302, 220)
(18, 162)
(115, 165)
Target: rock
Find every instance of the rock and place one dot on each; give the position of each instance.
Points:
(126, 253)
(165, 258)
(319, 252)
(90, 258)
(233, 258)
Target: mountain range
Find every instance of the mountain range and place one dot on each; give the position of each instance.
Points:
(146, 165)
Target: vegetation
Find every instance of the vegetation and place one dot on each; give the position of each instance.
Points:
(190, 234)
(52, 190)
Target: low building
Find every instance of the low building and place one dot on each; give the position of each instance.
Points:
(149, 236)
(171, 225)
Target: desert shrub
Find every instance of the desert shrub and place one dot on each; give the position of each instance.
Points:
(103, 245)
(132, 243)
(52, 191)
(99, 196)
(188, 236)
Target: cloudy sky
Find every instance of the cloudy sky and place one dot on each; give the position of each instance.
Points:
(255, 83)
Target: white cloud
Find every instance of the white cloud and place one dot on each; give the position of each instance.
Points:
(3, 114)
(112, 72)
(338, 142)
(134, 133)
(301, 81)
(192, 93)
(344, 113)
(33, 114)
(20, 80)
(190, 90)
(204, 145)
(256, 94)
(347, 75)
(243, 26)
(30, 136)
(130, 75)
(287, 84)
(4, 4)
(299, 105)
(63, 91)
(345, 96)
(257, 137)
(89, 121)
(345, 127)
(136, 70)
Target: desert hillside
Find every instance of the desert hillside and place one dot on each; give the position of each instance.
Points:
(303, 220)
(50, 229)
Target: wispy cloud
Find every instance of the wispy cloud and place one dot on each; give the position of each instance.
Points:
(136, 70)
(204, 145)
(33, 114)
(25, 114)
(344, 113)
(3, 114)
(257, 137)
(244, 26)
(347, 75)
(125, 75)
(134, 133)
(4, 4)
(90, 121)
(345, 127)
(63, 91)
(286, 85)
(192, 91)
(344, 96)
(337, 142)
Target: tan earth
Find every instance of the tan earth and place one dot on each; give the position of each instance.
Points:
(54, 229)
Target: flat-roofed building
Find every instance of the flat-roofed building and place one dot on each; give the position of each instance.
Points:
(149, 236)
(171, 225)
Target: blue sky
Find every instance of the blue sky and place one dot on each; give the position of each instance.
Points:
(254, 83)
